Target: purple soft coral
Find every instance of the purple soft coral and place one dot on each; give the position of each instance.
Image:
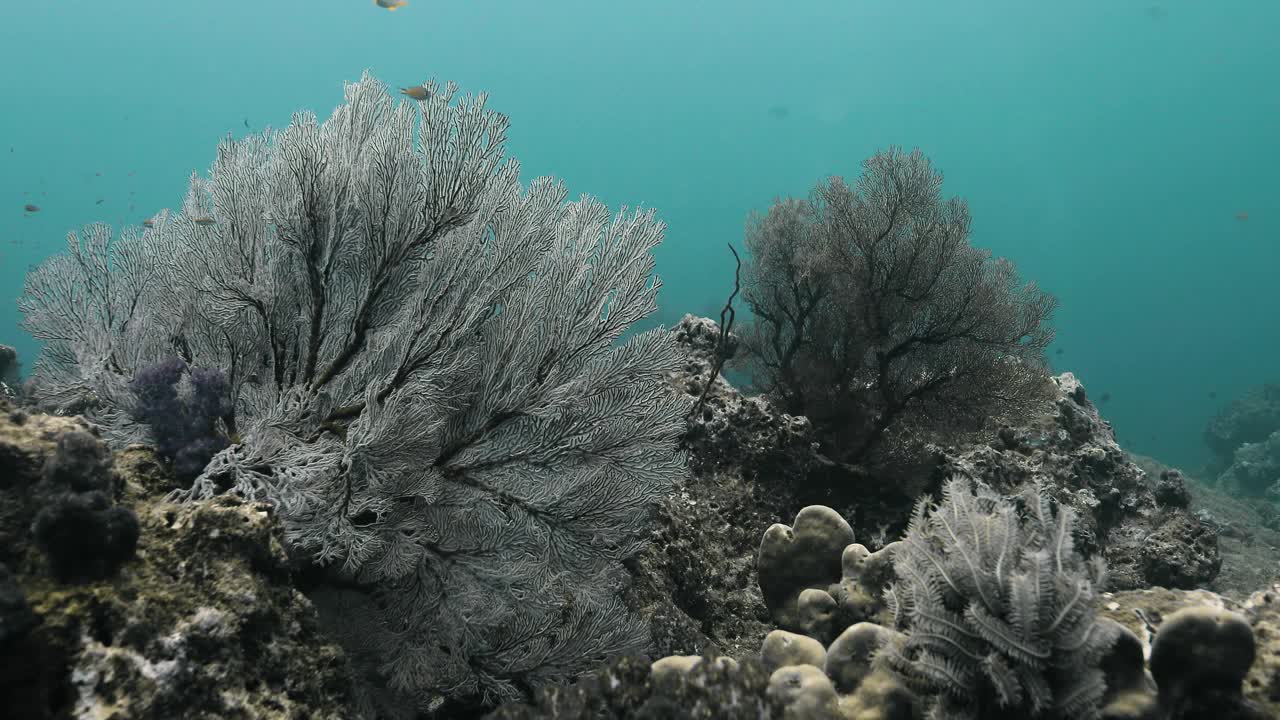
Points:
(185, 426)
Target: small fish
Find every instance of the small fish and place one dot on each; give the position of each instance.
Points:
(1213, 394)
(246, 124)
(1105, 397)
(391, 5)
(131, 172)
(97, 174)
(1242, 216)
(99, 201)
(149, 223)
(31, 208)
(1058, 351)
(417, 93)
(779, 112)
(203, 220)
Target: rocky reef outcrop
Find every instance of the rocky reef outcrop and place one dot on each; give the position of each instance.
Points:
(134, 607)
(1250, 418)
(732, 430)
(9, 372)
(1139, 524)
(1254, 470)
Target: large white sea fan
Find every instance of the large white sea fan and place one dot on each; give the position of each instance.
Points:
(429, 375)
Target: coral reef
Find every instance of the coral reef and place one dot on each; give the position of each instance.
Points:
(1248, 529)
(1245, 437)
(204, 622)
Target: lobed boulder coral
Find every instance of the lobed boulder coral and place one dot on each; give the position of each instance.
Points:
(1210, 656)
(815, 579)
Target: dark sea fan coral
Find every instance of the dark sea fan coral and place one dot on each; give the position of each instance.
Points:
(873, 312)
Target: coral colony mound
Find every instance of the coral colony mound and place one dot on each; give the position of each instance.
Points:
(397, 454)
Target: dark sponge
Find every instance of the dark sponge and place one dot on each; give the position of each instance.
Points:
(84, 536)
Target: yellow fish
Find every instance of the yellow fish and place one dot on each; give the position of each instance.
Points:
(417, 93)
(202, 220)
(392, 5)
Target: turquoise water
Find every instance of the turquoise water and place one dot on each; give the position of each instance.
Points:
(1111, 149)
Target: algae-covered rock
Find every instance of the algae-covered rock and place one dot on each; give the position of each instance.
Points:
(202, 621)
(1123, 515)
(632, 688)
